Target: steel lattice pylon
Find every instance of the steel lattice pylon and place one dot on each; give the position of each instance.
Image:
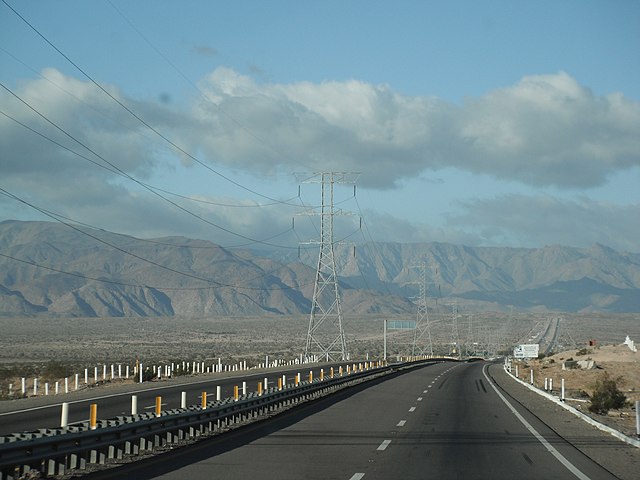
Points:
(423, 327)
(325, 337)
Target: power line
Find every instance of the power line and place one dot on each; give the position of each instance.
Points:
(131, 112)
(126, 252)
(130, 177)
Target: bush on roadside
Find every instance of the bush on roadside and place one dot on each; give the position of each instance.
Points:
(606, 395)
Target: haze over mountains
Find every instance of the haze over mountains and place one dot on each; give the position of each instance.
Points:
(187, 277)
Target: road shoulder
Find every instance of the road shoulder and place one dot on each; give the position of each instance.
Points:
(621, 459)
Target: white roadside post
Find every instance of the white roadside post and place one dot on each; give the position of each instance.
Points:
(23, 382)
(64, 416)
(140, 373)
(244, 388)
(562, 390)
(531, 375)
(551, 385)
(638, 418)
(134, 404)
(35, 387)
(66, 385)
(218, 393)
(183, 400)
(76, 385)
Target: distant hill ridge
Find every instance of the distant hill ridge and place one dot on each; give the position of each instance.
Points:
(196, 277)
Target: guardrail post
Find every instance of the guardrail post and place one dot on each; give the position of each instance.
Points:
(64, 416)
(158, 406)
(93, 415)
(183, 400)
(134, 404)
(204, 400)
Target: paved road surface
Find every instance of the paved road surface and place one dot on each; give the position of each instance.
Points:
(444, 421)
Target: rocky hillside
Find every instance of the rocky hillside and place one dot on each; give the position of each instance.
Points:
(51, 269)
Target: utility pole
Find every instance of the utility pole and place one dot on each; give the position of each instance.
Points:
(423, 326)
(325, 337)
(455, 337)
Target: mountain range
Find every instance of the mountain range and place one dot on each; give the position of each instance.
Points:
(56, 269)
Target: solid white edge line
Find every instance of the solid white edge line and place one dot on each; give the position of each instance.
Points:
(569, 466)
(357, 476)
(384, 445)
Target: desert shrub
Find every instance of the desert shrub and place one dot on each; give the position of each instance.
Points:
(582, 351)
(606, 395)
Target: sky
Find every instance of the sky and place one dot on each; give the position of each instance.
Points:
(491, 123)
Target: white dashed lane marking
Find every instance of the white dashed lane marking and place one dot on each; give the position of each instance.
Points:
(401, 423)
(384, 445)
(412, 409)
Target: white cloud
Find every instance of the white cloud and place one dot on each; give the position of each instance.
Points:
(545, 220)
(545, 130)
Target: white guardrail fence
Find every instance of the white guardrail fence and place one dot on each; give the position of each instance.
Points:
(57, 451)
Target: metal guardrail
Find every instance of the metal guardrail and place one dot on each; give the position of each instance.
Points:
(56, 451)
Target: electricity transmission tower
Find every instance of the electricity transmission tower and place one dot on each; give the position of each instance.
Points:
(325, 337)
(423, 326)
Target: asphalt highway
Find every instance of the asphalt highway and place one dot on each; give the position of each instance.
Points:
(23, 416)
(442, 421)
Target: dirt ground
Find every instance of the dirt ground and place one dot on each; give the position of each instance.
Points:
(618, 361)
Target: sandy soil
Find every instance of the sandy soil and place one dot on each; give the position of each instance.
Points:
(618, 361)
